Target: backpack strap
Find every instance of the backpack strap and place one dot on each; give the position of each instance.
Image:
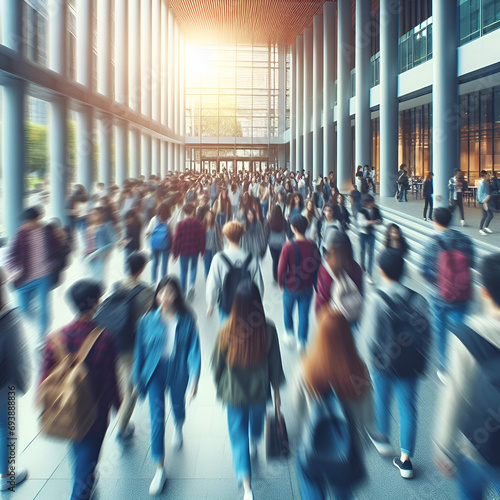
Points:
(225, 258)
(247, 261)
(393, 305)
(88, 343)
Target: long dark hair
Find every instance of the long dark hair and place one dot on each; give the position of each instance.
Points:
(179, 305)
(243, 337)
(404, 244)
(277, 221)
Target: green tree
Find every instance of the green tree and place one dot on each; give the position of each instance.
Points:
(37, 149)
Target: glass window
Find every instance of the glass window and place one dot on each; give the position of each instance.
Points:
(491, 15)
(35, 25)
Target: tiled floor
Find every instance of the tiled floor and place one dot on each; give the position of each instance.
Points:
(203, 468)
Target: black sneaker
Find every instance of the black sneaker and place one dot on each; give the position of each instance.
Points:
(382, 444)
(405, 468)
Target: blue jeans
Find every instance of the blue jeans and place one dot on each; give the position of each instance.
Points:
(157, 387)
(156, 256)
(242, 422)
(264, 207)
(406, 392)
(473, 478)
(85, 456)
(313, 484)
(40, 287)
(367, 241)
(444, 315)
(207, 261)
(303, 300)
(220, 219)
(185, 259)
(403, 194)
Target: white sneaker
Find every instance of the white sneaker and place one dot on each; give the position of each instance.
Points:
(301, 346)
(425, 219)
(158, 482)
(248, 495)
(288, 339)
(483, 233)
(462, 222)
(11, 482)
(488, 230)
(177, 439)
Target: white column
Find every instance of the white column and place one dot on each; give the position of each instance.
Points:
(293, 107)
(121, 152)
(329, 65)
(183, 157)
(12, 26)
(135, 153)
(146, 48)
(344, 135)
(134, 55)
(171, 157)
(164, 62)
(171, 69)
(177, 80)
(282, 52)
(317, 96)
(146, 155)
(121, 52)
(308, 99)
(103, 47)
(155, 156)
(85, 146)
(178, 158)
(57, 37)
(105, 131)
(58, 140)
(84, 16)
(182, 90)
(163, 159)
(299, 152)
(363, 115)
(156, 61)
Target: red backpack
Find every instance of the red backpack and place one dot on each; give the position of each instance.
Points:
(453, 276)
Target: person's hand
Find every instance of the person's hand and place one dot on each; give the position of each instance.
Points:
(445, 467)
(210, 311)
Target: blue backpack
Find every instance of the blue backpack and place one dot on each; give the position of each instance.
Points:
(160, 237)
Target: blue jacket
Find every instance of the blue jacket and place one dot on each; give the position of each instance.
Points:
(483, 191)
(185, 362)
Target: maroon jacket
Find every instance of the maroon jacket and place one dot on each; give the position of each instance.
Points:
(189, 238)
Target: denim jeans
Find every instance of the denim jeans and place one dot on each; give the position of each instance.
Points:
(303, 300)
(313, 484)
(207, 261)
(275, 254)
(406, 393)
(429, 202)
(220, 219)
(85, 456)
(459, 202)
(40, 287)
(157, 387)
(444, 314)
(4, 434)
(185, 259)
(486, 218)
(156, 256)
(264, 207)
(473, 478)
(367, 240)
(403, 194)
(242, 422)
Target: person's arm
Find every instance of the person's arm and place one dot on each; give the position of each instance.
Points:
(283, 265)
(428, 264)
(213, 284)
(362, 221)
(176, 244)
(194, 360)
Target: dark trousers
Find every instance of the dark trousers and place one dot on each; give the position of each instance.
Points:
(487, 216)
(275, 254)
(460, 203)
(429, 202)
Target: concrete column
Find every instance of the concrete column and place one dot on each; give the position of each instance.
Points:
(164, 62)
(308, 99)
(171, 157)
(13, 150)
(389, 112)
(121, 52)
(363, 115)
(105, 134)
(177, 80)
(146, 56)
(317, 96)
(282, 51)
(344, 135)
(84, 147)
(156, 61)
(155, 156)
(182, 90)
(329, 65)
(12, 25)
(445, 141)
(104, 48)
(84, 67)
(121, 152)
(57, 36)
(293, 107)
(183, 157)
(134, 55)
(146, 155)
(299, 83)
(178, 158)
(163, 159)
(135, 153)
(58, 140)
(171, 68)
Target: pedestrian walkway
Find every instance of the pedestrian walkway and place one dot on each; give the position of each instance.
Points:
(203, 469)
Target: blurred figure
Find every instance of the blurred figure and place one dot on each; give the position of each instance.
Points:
(396, 328)
(160, 233)
(131, 241)
(344, 216)
(394, 239)
(467, 437)
(332, 373)
(101, 364)
(313, 216)
(246, 363)
(253, 240)
(428, 195)
(446, 265)
(484, 198)
(276, 237)
(214, 241)
(32, 259)
(457, 185)
(329, 224)
(15, 372)
(355, 198)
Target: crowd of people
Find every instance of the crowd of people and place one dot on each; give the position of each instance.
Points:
(139, 336)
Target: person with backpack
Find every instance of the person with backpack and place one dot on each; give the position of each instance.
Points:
(403, 184)
(92, 357)
(15, 371)
(246, 363)
(189, 243)
(297, 274)
(227, 270)
(160, 240)
(484, 198)
(276, 230)
(395, 324)
(167, 359)
(333, 399)
(467, 434)
(447, 263)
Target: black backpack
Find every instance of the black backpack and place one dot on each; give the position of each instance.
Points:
(117, 315)
(480, 425)
(405, 351)
(233, 278)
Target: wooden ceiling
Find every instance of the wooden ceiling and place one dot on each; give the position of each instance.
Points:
(244, 21)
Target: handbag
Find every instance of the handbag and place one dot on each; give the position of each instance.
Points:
(276, 436)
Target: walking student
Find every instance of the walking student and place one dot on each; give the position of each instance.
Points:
(276, 230)
(457, 185)
(167, 359)
(297, 274)
(246, 363)
(428, 195)
(213, 240)
(160, 233)
(484, 198)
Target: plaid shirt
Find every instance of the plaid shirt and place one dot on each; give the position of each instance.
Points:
(189, 238)
(101, 364)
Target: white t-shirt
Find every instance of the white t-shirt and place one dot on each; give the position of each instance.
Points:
(170, 327)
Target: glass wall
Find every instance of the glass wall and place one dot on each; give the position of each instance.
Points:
(288, 87)
(415, 46)
(35, 23)
(232, 91)
(477, 18)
